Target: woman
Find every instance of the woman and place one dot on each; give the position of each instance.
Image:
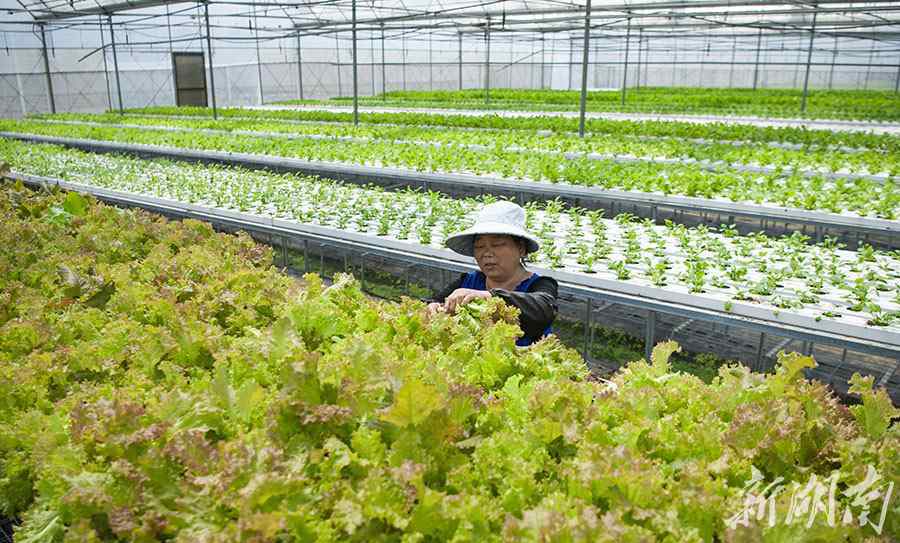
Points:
(499, 242)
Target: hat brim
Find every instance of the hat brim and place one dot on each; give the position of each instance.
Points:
(464, 242)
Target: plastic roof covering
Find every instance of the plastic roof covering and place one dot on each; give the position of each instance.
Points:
(311, 17)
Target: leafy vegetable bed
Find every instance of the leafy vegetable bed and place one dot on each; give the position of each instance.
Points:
(820, 282)
(862, 197)
(162, 382)
(827, 104)
(713, 131)
(724, 155)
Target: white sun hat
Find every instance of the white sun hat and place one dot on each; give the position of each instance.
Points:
(501, 218)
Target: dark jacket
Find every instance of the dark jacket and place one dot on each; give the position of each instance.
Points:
(537, 302)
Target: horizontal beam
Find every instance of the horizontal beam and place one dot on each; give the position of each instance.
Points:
(50, 14)
(620, 11)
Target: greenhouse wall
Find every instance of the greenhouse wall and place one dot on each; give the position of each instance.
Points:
(83, 81)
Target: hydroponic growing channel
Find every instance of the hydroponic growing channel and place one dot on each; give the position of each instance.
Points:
(788, 281)
(815, 202)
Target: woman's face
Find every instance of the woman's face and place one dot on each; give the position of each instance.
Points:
(498, 256)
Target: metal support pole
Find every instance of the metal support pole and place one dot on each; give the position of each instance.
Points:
(460, 61)
(355, 71)
(756, 65)
(509, 67)
(625, 71)
(731, 68)
(306, 256)
(112, 35)
(584, 68)
(105, 65)
(897, 80)
(649, 335)
(543, 61)
(869, 66)
(757, 366)
(675, 63)
(171, 51)
(299, 68)
(647, 63)
(47, 69)
(487, 61)
(430, 65)
(703, 56)
(372, 60)
(834, 54)
(587, 311)
(383, 69)
(212, 80)
(571, 60)
(531, 64)
(403, 56)
(640, 48)
(337, 52)
(258, 58)
(812, 35)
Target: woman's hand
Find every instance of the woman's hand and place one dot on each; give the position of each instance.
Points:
(433, 308)
(462, 296)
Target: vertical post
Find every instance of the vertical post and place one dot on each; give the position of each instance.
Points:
(834, 54)
(812, 35)
(675, 63)
(647, 63)
(703, 56)
(637, 84)
(487, 61)
(112, 35)
(258, 58)
(383, 70)
(299, 68)
(337, 52)
(171, 55)
(649, 335)
(543, 61)
(584, 67)
(897, 80)
(509, 67)
(430, 65)
(212, 80)
(20, 88)
(47, 69)
(869, 66)
(625, 71)
(757, 365)
(105, 65)
(355, 68)
(531, 63)
(571, 60)
(756, 65)
(460, 61)
(372, 59)
(731, 68)
(587, 320)
(403, 56)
